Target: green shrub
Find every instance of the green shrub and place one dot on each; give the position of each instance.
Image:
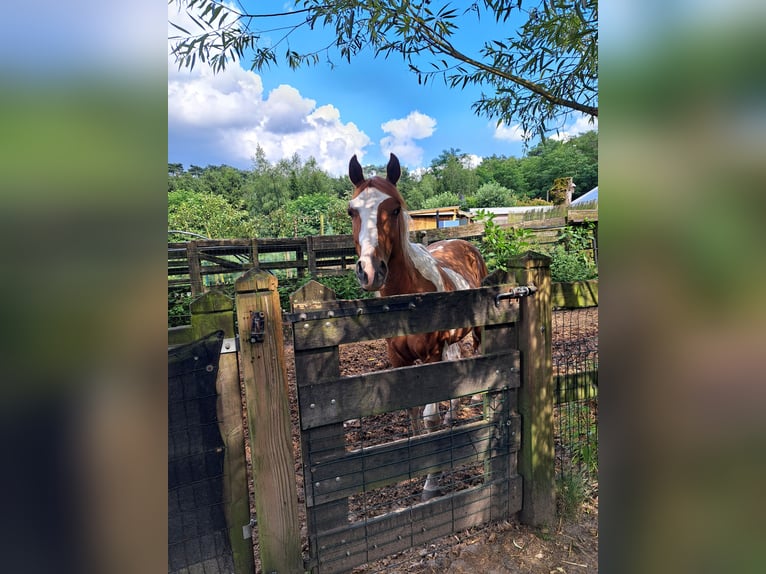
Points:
(571, 266)
(500, 244)
(570, 258)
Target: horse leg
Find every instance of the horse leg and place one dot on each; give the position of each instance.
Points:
(451, 353)
(416, 421)
(432, 420)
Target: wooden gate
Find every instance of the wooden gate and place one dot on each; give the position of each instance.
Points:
(334, 471)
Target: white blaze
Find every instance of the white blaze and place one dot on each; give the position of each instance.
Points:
(366, 204)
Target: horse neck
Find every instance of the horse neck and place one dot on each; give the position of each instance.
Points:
(409, 268)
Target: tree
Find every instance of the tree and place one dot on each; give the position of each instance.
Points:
(452, 175)
(175, 169)
(538, 76)
(492, 194)
(551, 159)
(502, 170)
(207, 214)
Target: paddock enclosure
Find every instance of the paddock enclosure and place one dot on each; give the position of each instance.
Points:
(351, 457)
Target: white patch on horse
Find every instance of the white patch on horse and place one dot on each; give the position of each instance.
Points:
(451, 352)
(459, 281)
(426, 264)
(366, 204)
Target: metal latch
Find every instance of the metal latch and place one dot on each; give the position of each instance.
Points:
(257, 326)
(516, 293)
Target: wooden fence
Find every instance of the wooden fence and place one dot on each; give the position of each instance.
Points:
(190, 263)
(513, 374)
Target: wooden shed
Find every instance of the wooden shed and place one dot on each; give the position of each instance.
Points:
(451, 216)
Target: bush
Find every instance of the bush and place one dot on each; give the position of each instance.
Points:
(499, 244)
(569, 258)
(571, 266)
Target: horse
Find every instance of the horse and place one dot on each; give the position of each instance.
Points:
(389, 263)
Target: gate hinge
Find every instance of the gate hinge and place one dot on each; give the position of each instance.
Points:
(230, 345)
(257, 326)
(247, 529)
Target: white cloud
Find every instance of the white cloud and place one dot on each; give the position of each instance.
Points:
(228, 114)
(471, 161)
(581, 125)
(403, 133)
(512, 133)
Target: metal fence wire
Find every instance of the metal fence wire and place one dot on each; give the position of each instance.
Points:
(198, 538)
(575, 369)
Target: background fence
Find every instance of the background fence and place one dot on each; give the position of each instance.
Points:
(195, 266)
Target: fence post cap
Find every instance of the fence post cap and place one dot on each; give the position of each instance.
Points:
(530, 259)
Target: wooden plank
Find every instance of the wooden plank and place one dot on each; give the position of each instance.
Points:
(312, 256)
(195, 279)
(223, 263)
(355, 544)
(547, 223)
(576, 386)
(575, 294)
(211, 312)
(282, 264)
(582, 215)
(180, 335)
(341, 399)
(400, 460)
(268, 416)
(402, 314)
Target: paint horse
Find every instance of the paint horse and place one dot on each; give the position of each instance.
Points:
(389, 263)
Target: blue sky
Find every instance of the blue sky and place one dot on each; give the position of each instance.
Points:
(370, 107)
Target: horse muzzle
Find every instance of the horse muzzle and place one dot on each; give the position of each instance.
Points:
(371, 273)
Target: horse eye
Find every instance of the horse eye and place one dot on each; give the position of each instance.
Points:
(396, 211)
(350, 212)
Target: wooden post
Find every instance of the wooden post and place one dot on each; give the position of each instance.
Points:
(195, 271)
(299, 256)
(536, 395)
(211, 312)
(312, 256)
(268, 417)
(254, 252)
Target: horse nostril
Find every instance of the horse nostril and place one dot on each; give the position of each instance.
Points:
(360, 274)
(383, 267)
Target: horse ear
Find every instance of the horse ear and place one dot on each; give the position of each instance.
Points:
(355, 171)
(393, 171)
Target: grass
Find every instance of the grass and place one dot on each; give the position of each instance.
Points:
(571, 492)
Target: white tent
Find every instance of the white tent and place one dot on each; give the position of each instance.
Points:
(592, 195)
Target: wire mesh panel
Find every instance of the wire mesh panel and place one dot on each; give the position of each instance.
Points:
(198, 537)
(575, 368)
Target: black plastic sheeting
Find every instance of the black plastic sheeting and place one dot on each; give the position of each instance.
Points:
(198, 539)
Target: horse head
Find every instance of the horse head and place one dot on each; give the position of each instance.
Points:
(379, 225)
